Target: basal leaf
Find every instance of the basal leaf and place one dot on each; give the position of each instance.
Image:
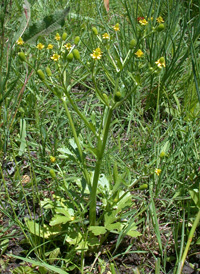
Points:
(110, 217)
(59, 219)
(97, 230)
(115, 227)
(133, 233)
(54, 255)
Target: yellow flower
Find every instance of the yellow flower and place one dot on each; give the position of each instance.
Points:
(52, 159)
(160, 19)
(20, 41)
(139, 53)
(161, 62)
(57, 37)
(143, 22)
(50, 46)
(158, 171)
(40, 46)
(68, 46)
(106, 36)
(116, 27)
(55, 57)
(97, 54)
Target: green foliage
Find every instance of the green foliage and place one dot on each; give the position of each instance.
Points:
(99, 132)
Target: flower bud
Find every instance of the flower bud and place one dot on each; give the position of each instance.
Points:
(64, 36)
(163, 154)
(41, 74)
(117, 96)
(52, 159)
(76, 40)
(95, 31)
(70, 57)
(105, 97)
(132, 43)
(76, 54)
(48, 71)
(162, 60)
(143, 187)
(52, 173)
(160, 27)
(22, 56)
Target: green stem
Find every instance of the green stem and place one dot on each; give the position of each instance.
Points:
(157, 103)
(194, 226)
(82, 160)
(89, 125)
(101, 148)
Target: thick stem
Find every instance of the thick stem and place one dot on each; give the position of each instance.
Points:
(101, 147)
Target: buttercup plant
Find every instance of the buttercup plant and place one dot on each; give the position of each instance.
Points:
(114, 66)
(100, 155)
(113, 199)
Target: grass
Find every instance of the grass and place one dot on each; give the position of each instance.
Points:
(99, 144)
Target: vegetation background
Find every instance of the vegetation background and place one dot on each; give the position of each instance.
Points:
(99, 136)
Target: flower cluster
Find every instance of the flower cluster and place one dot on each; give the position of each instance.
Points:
(116, 27)
(106, 36)
(55, 57)
(143, 22)
(68, 46)
(40, 46)
(157, 171)
(20, 41)
(139, 53)
(161, 62)
(160, 20)
(50, 46)
(97, 54)
(57, 37)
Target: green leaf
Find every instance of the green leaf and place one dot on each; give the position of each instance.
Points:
(97, 230)
(43, 231)
(54, 269)
(59, 219)
(164, 149)
(3, 245)
(195, 196)
(47, 203)
(133, 233)
(92, 241)
(73, 238)
(116, 226)
(66, 153)
(22, 136)
(82, 185)
(125, 200)
(110, 217)
(42, 270)
(54, 255)
(103, 183)
(23, 270)
(68, 212)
